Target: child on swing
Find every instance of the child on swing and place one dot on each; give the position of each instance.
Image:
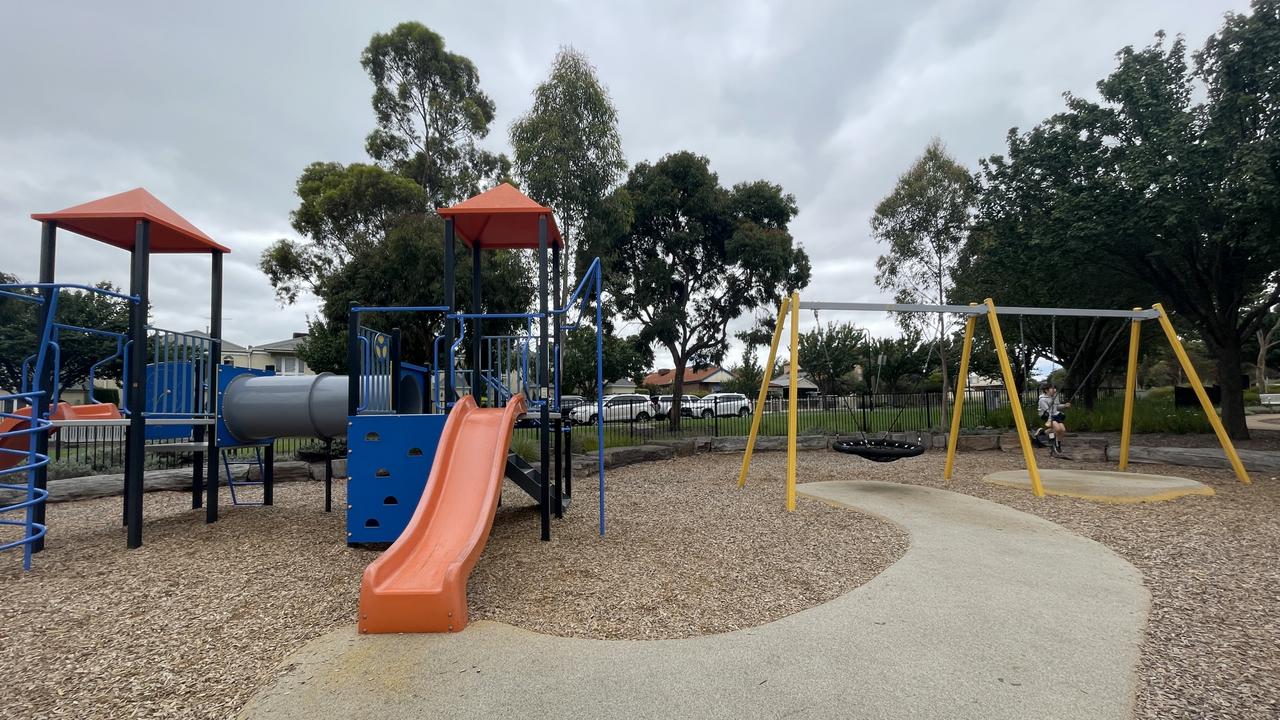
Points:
(1051, 412)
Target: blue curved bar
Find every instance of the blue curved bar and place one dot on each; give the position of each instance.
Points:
(32, 531)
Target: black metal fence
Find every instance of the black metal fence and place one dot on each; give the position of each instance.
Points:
(93, 450)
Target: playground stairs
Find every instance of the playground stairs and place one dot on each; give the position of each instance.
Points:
(529, 479)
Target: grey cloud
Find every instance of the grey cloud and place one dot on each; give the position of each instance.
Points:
(217, 108)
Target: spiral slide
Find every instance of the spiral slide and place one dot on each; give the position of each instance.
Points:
(420, 583)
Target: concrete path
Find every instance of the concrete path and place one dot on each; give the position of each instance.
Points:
(992, 613)
(1263, 422)
(1103, 485)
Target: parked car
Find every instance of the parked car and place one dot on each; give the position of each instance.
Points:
(722, 404)
(569, 402)
(687, 402)
(617, 408)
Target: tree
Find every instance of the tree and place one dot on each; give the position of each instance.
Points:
(832, 354)
(1183, 195)
(624, 357)
(568, 153)
(79, 351)
(345, 211)
(748, 374)
(430, 112)
(1268, 337)
(404, 269)
(687, 256)
(924, 222)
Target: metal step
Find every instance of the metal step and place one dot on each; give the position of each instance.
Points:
(524, 475)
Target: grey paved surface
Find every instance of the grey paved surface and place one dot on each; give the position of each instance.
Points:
(991, 614)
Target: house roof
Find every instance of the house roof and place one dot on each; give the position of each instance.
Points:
(667, 376)
(227, 345)
(113, 220)
(501, 218)
(802, 381)
(289, 345)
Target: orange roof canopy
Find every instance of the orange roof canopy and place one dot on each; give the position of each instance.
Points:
(113, 219)
(501, 218)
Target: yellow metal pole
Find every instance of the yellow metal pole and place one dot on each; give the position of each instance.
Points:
(1194, 379)
(1130, 390)
(953, 435)
(764, 391)
(793, 394)
(1015, 401)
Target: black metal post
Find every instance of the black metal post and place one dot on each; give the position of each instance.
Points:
(449, 395)
(559, 430)
(40, 405)
(328, 475)
(568, 460)
(269, 474)
(477, 327)
(197, 469)
(353, 360)
(556, 358)
(544, 427)
(215, 355)
(136, 384)
(395, 370)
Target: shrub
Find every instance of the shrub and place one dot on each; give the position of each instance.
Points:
(1150, 415)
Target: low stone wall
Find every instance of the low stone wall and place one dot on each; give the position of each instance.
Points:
(96, 486)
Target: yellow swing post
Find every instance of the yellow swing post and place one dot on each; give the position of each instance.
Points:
(793, 395)
(1130, 390)
(953, 435)
(1196, 385)
(1015, 402)
(758, 414)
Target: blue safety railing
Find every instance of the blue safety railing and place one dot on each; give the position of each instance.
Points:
(26, 461)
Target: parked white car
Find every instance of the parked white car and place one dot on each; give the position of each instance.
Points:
(617, 408)
(687, 402)
(722, 404)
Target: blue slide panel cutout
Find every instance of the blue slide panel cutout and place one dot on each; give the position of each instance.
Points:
(388, 458)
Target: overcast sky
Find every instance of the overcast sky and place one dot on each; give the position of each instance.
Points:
(217, 107)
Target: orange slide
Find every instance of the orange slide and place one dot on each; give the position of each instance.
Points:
(420, 583)
(62, 411)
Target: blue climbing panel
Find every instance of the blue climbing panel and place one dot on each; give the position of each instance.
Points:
(388, 459)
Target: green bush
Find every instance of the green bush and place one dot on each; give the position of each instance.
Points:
(107, 395)
(1251, 397)
(1149, 416)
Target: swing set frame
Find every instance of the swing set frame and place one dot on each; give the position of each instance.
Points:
(792, 305)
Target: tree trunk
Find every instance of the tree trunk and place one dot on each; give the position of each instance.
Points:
(946, 407)
(677, 393)
(1229, 381)
(1262, 362)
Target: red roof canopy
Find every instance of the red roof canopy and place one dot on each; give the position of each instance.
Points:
(112, 220)
(502, 217)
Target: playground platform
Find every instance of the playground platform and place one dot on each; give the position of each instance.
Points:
(992, 613)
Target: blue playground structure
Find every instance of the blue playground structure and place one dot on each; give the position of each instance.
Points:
(391, 411)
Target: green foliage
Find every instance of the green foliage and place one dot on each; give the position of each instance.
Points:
(19, 321)
(924, 222)
(567, 149)
(430, 112)
(345, 211)
(624, 357)
(1152, 414)
(748, 375)
(831, 355)
(1171, 180)
(371, 235)
(684, 256)
(404, 269)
